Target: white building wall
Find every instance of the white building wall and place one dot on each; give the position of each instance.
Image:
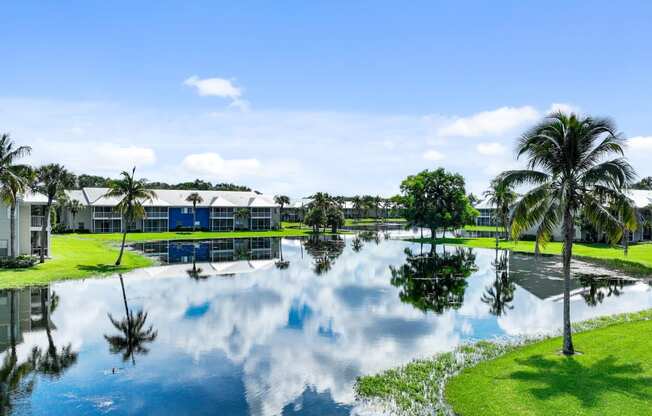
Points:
(24, 234)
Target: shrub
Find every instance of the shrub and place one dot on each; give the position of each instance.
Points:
(20, 262)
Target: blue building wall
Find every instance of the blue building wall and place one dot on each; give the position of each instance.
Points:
(179, 220)
(177, 250)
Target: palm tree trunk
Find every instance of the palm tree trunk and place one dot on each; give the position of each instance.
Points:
(568, 348)
(122, 247)
(12, 322)
(626, 241)
(44, 229)
(194, 216)
(12, 232)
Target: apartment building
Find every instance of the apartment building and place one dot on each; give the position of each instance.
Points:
(171, 211)
(29, 218)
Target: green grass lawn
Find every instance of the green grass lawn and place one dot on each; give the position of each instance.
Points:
(76, 256)
(612, 376)
(638, 261)
(73, 257)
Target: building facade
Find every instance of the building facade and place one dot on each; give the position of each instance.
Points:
(29, 218)
(171, 211)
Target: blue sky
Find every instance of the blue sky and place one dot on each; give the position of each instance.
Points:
(296, 97)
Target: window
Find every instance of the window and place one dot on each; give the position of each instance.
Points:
(108, 226)
(186, 210)
(223, 244)
(258, 243)
(222, 212)
(156, 212)
(155, 225)
(4, 248)
(261, 224)
(222, 224)
(261, 212)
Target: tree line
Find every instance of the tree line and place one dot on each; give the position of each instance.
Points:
(94, 181)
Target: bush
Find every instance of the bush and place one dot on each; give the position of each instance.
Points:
(20, 262)
(60, 229)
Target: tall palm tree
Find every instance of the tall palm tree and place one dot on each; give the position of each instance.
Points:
(195, 198)
(12, 179)
(570, 169)
(74, 206)
(282, 200)
(12, 186)
(52, 181)
(377, 201)
(132, 194)
(502, 197)
(357, 205)
(133, 333)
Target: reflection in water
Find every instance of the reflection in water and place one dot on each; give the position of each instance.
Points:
(133, 336)
(260, 339)
(434, 281)
(597, 288)
(324, 249)
(500, 294)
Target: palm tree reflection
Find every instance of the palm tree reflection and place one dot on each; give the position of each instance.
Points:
(324, 250)
(281, 264)
(501, 293)
(55, 360)
(195, 272)
(434, 281)
(133, 333)
(598, 287)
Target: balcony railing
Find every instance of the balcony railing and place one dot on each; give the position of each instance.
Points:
(107, 216)
(38, 220)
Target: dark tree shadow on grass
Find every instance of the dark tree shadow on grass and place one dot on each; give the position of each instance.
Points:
(100, 268)
(568, 377)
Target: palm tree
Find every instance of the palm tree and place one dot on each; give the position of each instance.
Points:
(12, 180)
(132, 193)
(502, 197)
(11, 187)
(52, 181)
(357, 205)
(195, 198)
(74, 206)
(241, 214)
(133, 334)
(569, 167)
(282, 200)
(500, 295)
(377, 201)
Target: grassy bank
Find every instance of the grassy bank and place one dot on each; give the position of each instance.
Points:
(611, 377)
(75, 256)
(638, 261)
(488, 228)
(347, 222)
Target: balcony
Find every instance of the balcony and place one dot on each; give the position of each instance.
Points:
(37, 221)
(107, 216)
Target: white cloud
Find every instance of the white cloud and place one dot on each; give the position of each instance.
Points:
(640, 143)
(215, 87)
(491, 149)
(493, 122)
(214, 166)
(88, 156)
(563, 107)
(433, 155)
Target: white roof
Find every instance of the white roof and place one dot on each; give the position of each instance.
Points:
(484, 204)
(177, 198)
(34, 198)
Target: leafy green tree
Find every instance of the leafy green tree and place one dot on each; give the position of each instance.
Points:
(315, 218)
(502, 197)
(334, 217)
(282, 200)
(644, 183)
(132, 193)
(15, 179)
(571, 172)
(436, 200)
(195, 199)
(52, 180)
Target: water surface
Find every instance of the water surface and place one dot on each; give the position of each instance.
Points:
(271, 327)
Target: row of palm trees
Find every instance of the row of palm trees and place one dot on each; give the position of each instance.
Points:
(16, 179)
(575, 166)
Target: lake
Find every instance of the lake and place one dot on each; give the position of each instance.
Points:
(273, 327)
